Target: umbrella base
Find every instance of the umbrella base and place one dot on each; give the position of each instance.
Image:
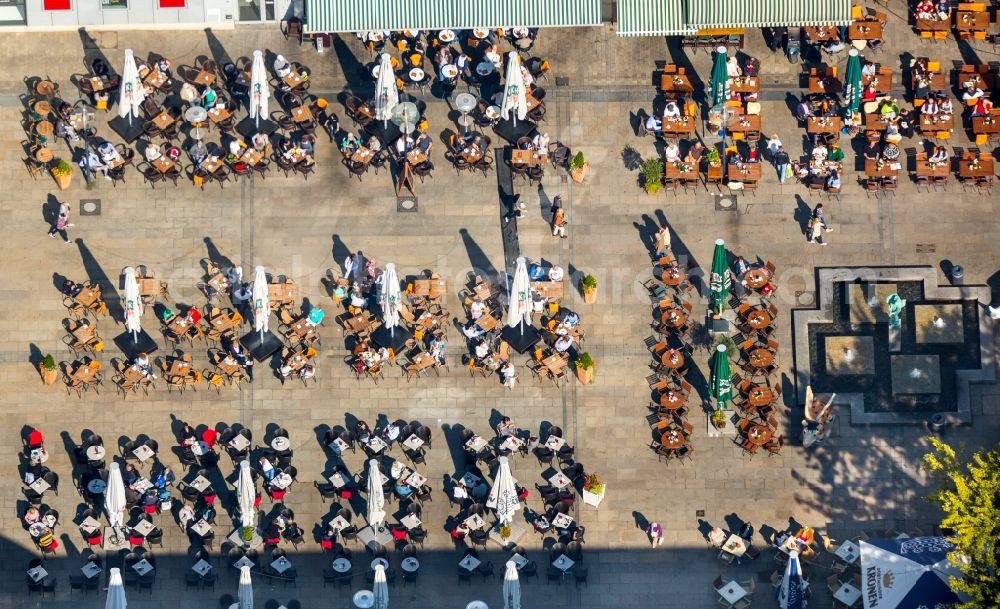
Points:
(261, 347)
(114, 540)
(132, 345)
(129, 132)
(249, 127)
(521, 337)
(512, 131)
(391, 340)
(236, 537)
(374, 538)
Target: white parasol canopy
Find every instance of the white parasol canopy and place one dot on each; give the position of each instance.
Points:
(261, 306)
(376, 498)
(259, 90)
(381, 588)
(132, 92)
(511, 587)
(503, 496)
(116, 591)
(514, 96)
(246, 493)
(114, 497)
(244, 594)
(519, 300)
(133, 303)
(389, 298)
(386, 93)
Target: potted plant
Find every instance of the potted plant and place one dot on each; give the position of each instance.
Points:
(62, 172)
(712, 157)
(247, 534)
(718, 419)
(505, 531)
(589, 286)
(585, 368)
(48, 369)
(652, 174)
(578, 168)
(593, 490)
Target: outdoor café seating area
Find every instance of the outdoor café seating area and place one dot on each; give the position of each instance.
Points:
(232, 498)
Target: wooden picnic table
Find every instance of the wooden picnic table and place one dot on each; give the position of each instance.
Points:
(973, 21)
(933, 25)
(833, 125)
(936, 82)
(218, 114)
(872, 169)
(746, 123)
(676, 84)
(747, 172)
(829, 85)
(929, 123)
(965, 169)
(163, 164)
(746, 84)
(677, 127)
(872, 122)
(301, 114)
(204, 78)
(431, 288)
(672, 172)
(528, 157)
(884, 84)
(820, 33)
(981, 127)
(163, 120)
(283, 292)
(924, 169)
(868, 29)
(549, 290)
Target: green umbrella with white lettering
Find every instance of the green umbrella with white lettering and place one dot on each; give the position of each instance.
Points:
(852, 84)
(719, 92)
(721, 387)
(719, 282)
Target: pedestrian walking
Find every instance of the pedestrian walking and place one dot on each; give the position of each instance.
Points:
(61, 223)
(662, 240)
(655, 532)
(781, 163)
(558, 219)
(817, 225)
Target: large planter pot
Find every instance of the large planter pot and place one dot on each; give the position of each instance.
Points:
(594, 499)
(585, 375)
(579, 174)
(589, 295)
(49, 376)
(652, 191)
(63, 182)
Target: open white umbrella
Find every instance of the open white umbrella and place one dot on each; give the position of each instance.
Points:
(381, 588)
(244, 593)
(259, 90)
(511, 587)
(247, 492)
(116, 591)
(389, 298)
(503, 496)
(519, 300)
(261, 306)
(376, 499)
(133, 303)
(132, 93)
(514, 96)
(114, 497)
(386, 93)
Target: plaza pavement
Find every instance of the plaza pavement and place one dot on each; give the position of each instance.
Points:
(864, 478)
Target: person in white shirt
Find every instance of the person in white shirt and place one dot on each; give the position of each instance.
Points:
(482, 349)
(653, 123)
(556, 273)
(971, 92)
(820, 152)
(476, 309)
(404, 143)
(493, 56)
(509, 374)
(541, 141)
(350, 263)
(563, 344)
(281, 66)
(671, 110)
(235, 275)
(235, 147)
(260, 141)
(185, 515)
(153, 152)
(460, 492)
(733, 68)
(92, 163)
(672, 152)
(391, 432)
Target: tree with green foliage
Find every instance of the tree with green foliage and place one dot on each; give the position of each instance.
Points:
(969, 495)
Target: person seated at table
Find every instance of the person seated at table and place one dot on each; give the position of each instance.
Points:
(870, 93)
(733, 68)
(921, 86)
(436, 347)
(508, 374)
(390, 433)
(471, 330)
(982, 107)
(890, 151)
(307, 144)
(836, 154)
(833, 180)
(541, 523)
(946, 107)
(153, 152)
(358, 300)
(671, 109)
(476, 309)
(129, 475)
(374, 144)
(556, 273)
(443, 56)
(141, 362)
(653, 123)
(260, 142)
(693, 156)
(834, 45)
(350, 144)
(971, 91)
(208, 97)
(563, 343)
(281, 66)
(31, 516)
(163, 477)
(198, 152)
(307, 371)
(930, 106)
(403, 144)
(940, 155)
(536, 271)
(482, 349)
(108, 153)
(925, 10)
(492, 54)
(70, 288)
(473, 146)
(819, 152)
(672, 153)
(904, 125)
(869, 70)
(425, 143)
(943, 9)
(362, 431)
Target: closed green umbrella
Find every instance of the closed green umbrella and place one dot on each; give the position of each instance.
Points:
(852, 84)
(718, 286)
(721, 388)
(720, 78)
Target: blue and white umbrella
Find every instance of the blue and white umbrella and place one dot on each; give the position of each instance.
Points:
(907, 573)
(790, 593)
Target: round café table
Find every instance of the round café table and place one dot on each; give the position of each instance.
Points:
(341, 565)
(759, 395)
(195, 114)
(410, 564)
(42, 108)
(380, 561)
(757, 278)
(672, 400)
(761, 358)
(672, 276)
(280, 444)
(759, 434)
(758, 319)
(673, 317)
(95, 453)
(672, 359)
(446, 36)
(44, 128)
(43, 155)
(364, 599)
(97, 486)
(485, 68)
(45, 87)
(449, 71)
(480, 33)
(672, 439)
(416, 74)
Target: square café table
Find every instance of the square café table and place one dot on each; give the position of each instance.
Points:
(848, 552)
(563, 563)
(243, 562)
(281, 564)
(201, 568)
(90, 570)
(469, 563)
(143, 527)
(201, 527)
(410, 521)
(559, 480)
(732, 592)
(413, 442)
(847, 594)
(201, 483)
(143, 453)
(90, 524)
(142, 567)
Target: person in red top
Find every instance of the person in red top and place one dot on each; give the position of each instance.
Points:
(209, 436)
(194, 316)
(35, 439)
